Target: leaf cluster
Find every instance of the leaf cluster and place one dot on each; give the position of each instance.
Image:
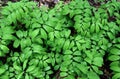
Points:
(70, 40)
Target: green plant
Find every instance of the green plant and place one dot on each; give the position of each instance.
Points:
(68, 41)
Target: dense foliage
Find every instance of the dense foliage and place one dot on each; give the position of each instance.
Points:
(69, 41)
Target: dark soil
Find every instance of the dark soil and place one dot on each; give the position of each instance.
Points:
(107, 73)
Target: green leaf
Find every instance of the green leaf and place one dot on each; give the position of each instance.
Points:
(7, 30)
(78, 11)
(37, 48)
(63, 68)
(47, 68)
(37, 40)
(115, 68)
(78, 59)
(67, 57)
(36, 25)
(51, 36)
(79, 46)
(48, 28)
(66, 63)
(95, 68)
(68, 52)
(30, 68)
(116, 76)
(25, 64)
(69, 77)
(92, 75)
(20, 75)
(56, 67)
(23, 43)
(98, 61)
(97, 28)
(18, 15)
(115, 51)
(110, 10)
(49, 72)
(16, 67)
(65, 10)
(92, 28)
(71, 44)
(111, 36)
(27, 76)
(16, 43)
(115, 63)
(63, 74)
(66, 44)
(27, 52)
(113, 57)
(4, 77)
(117, 45)
(19, 33)
(43, 33)
(4, 48)
(88, 60)
(67, 33)
(89, 54)
(28, 41)
(8, 37)
(2, 70)
(45, 16)
(78, 17)
(77, 53)
(82, 68)
(33, 33)
(57, 34)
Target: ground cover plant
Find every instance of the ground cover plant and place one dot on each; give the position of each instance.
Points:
(70, 41)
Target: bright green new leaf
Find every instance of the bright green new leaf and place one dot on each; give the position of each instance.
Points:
(30, 68)
(77, 53)
(57, 34)
(27, 76)
(98, 61)
(2, 70)
(16, 43)
(48, 28)
(114, 57)
(63, 74)
(43, 33)
(116, 76)
(20, 75)
(25, 64)
(63, 68)
(47, 68)
(66, 44)
(68, 52)
(115, 63)
(78, 59)
(110, 35)
(115, 68)
(45, 16)
(115, 51)
(16, 67)
(4, 48)
(19, 33)
(67, 57)
(33, 33)
(8, 37)
(92, 75)
(66, 10)
(82, 68)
